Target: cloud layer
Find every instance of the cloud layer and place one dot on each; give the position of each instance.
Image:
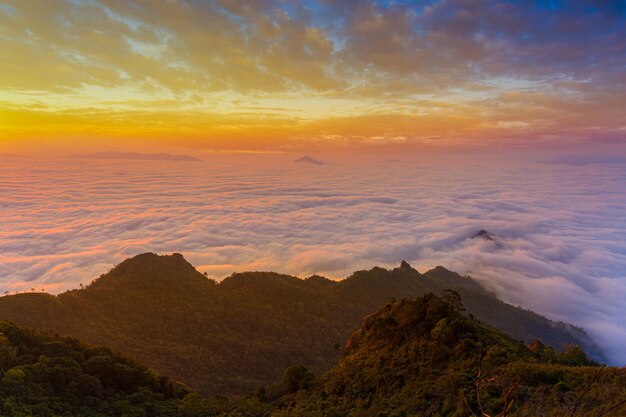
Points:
(562, 249)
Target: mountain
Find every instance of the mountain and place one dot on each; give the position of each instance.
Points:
(483, 234)
(135, 156)
(418, 356)
(308, 160)
(587, 159)
(45, 375)
(11, 156)
(422, 357)
(234, 336)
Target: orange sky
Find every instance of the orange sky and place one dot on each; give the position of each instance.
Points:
(280, 76)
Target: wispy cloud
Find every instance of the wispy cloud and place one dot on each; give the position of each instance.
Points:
(367, 72)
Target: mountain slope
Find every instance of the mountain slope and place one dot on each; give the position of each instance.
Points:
(422, 357)
(243, 332)
(44, 375)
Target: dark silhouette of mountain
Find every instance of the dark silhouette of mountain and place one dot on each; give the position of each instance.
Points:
(494, 238)
(45, 375)
(136, 156)
(587, 159)
(483, 234)
(308, 160)
(423, 357)
(11, 156)
(233, 336)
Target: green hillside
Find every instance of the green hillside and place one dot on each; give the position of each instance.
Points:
(45, 376)
(241, 333)
(422, 357)
(415, 357)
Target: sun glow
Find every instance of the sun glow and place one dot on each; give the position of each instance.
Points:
(230, 76)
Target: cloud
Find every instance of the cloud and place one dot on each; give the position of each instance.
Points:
(367, 72)
(560, 250)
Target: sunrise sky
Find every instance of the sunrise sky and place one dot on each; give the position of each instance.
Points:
(434, 119)
(276, 76)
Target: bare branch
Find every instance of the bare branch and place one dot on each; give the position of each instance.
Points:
(614, 407)
(479, 382)
(468, 406)
(586, 390)
(508, 402)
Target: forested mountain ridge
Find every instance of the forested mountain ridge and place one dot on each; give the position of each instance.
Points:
(233, 336)
(418, 356)
(422, 357)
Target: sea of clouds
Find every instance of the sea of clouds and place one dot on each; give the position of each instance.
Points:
(560, 247)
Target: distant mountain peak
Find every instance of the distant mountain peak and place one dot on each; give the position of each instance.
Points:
(320, 280)
(308, 160)
(149, 270)
(173, 260)
(11, 156)
(440, 269)
(405, 265)
(135, 156)
(486, 235)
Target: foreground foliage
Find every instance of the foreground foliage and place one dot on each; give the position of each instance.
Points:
(422, 357)
(44, 375)
(416, 357)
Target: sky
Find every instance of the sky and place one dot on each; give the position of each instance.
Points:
(269, 76)
(435, 119)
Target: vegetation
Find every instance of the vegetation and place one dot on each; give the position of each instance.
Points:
(422, 357)
(44, 375)
(232, 337)
(416, 357)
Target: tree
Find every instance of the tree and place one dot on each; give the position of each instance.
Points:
(574, 356)
(454, 299)
(13, 381)
(296, 378)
